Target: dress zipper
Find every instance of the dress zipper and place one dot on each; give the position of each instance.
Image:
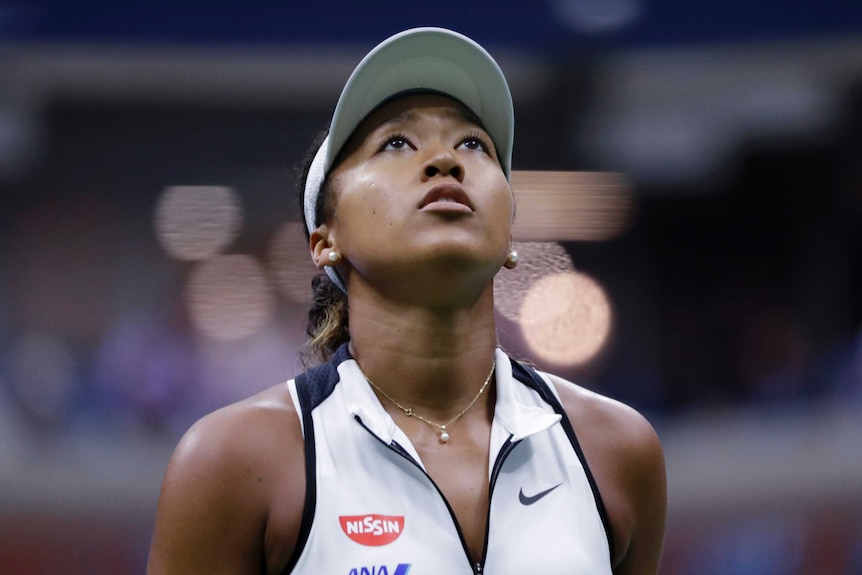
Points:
(508, 445)
(507, 448)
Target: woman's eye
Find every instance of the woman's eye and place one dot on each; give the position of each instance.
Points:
(395, 143)
(475, 143)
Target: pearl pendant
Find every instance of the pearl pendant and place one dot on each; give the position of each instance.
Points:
(444, 436)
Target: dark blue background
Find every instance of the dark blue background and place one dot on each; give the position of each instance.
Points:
(533, 25)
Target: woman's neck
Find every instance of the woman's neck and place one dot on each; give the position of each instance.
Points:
(433, 359)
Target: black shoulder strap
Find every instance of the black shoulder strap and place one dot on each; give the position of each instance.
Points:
(306, 405)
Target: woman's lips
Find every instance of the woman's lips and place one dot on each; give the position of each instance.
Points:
(446, 198)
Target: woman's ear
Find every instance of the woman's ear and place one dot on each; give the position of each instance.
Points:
(323, 252)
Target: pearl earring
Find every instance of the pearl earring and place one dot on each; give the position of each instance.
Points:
(334, 257)
(511, 260)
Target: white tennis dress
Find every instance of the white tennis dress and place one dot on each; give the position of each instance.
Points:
(371, 509)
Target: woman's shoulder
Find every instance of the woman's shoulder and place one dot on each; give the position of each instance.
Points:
(249, 429)
(235, 474)
(591, 412)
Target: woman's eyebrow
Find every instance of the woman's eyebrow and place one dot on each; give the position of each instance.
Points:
(410, 115)
(400, 118)
(466, 115)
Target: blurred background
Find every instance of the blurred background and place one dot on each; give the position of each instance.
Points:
(689, 179)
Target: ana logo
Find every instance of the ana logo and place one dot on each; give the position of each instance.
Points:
(400, 569)
(373, 530)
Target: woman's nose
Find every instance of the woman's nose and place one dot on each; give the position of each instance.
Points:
(444, 162)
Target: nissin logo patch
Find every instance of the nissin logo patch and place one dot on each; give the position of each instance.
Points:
(373, 530)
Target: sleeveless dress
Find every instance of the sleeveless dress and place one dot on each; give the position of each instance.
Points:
(371, 509)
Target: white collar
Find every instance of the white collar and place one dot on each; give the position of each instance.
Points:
(519, 411)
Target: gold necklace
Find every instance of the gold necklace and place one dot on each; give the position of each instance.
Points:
(444, 433)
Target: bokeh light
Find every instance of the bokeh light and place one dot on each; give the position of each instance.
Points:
(229, 297)
(571, 206)
(535, 261)
(598, 16)
(291, 262)
(566, 318)
(197, 222)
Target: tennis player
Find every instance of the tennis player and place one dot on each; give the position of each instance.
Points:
(415, 444)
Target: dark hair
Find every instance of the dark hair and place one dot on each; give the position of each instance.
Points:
(328, 323)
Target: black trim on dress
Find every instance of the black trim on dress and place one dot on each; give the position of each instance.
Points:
(312, 388)
(302, 393)
(529, 377)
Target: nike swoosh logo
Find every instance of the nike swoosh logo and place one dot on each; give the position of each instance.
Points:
(530, 499)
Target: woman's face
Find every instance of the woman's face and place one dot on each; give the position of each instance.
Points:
(419, 188)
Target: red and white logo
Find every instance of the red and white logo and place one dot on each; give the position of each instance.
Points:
(373, 530)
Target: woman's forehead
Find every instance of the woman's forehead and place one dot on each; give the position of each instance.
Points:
(415, 107)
